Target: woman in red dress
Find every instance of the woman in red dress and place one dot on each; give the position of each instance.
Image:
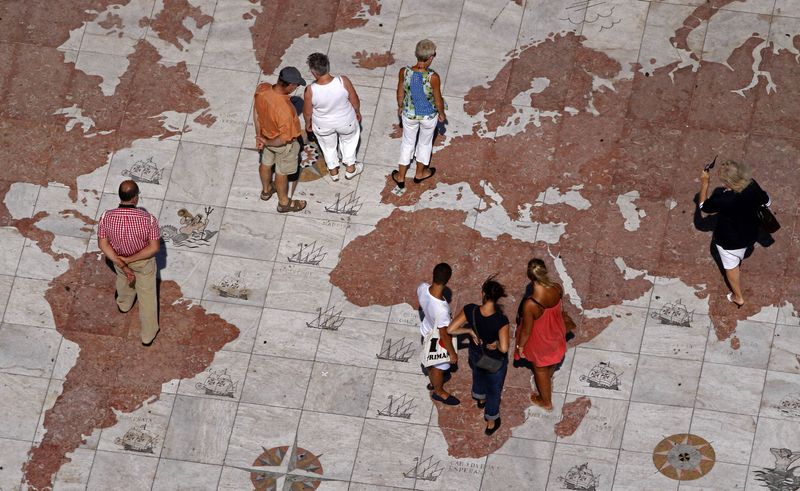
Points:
(540, 338)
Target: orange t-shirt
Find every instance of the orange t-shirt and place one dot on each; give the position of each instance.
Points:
(276, 114)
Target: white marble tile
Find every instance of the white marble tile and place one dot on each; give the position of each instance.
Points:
(199, 429)
(55, 199)
(286, 334)
(376, 313)
(728, 29)
(223, 379)
(600, 462)
(6, 282)
(239, 281)
(781, 399)
(245, 318)
(74, 475)
(516, 472)
(773, 434)
(730, 388)
(625, 331)
(250, 436)
(188, 269)
(174, 474)
(785, 355)
(663, 19)
(140, 432)
(249, 234)
(688, 343)
(33, 263)
(786, 7)
(202, 173)
(379, 464)
(27, 305)
(666, 381)
(339, 389)
(276, 381)
(336, 447)
(539, 423)
(21, 398)
(230, 42)
(28, 350)
(356, 342)
(647, 424)
(399, 350)
(754, 6)
(298, 287)
(723, 476)
(635, 472)
(150, 166)
(109, 469)
(15, 454)
(311, 241)
(458, 473)
(543, 17)
(731, 435)
(753, 341)
(603, 424)
(11, 243)
(400, 397)
(614, 39)
(602, 373)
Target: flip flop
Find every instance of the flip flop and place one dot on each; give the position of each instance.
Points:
(293, 206)
(433, 171)
(490, 432)
(729, 296)
(400, 184)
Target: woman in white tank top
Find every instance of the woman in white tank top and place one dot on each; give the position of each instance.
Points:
(331, 111)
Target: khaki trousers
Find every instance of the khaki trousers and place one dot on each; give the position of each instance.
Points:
(145, 289)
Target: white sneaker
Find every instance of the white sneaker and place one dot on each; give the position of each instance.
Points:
(359, 169)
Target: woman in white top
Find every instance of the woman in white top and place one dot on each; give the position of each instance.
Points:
(331, 112)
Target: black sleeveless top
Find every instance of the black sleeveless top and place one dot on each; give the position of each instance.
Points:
(488, 327)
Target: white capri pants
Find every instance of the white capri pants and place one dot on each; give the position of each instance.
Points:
(345, 137)
(426, 128)
(731, 258)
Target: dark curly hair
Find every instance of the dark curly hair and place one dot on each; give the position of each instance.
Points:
(318, 63)
(493, 291)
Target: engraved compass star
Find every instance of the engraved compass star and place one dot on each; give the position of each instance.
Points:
(684, 457)
(286, 469)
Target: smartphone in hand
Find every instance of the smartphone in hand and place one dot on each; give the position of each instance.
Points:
(711, 164)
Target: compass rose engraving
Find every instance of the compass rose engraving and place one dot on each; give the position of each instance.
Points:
(286, 468)
(684, 457)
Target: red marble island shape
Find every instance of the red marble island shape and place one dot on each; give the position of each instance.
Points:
(652, 135)
(113, 370)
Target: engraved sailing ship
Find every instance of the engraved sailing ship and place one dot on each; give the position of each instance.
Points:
(425, 470)
(602, 376)
(396, 350)
(138, 439)
(145, 171)
(674, 314)
(232, 286)
(329, 319)
(581, 478)
(398, 407)
(790, 405)
(218, 383)
(308, 254)
(349, 204)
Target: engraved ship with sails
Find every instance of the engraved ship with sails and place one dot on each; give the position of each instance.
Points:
(232, 286)
(602, 376)
(138, 439)
(580, 478)
(675, 314)
(145, 171)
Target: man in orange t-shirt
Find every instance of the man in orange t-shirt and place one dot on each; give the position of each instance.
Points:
(277, 133)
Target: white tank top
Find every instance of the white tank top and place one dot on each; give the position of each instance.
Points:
(332, 108)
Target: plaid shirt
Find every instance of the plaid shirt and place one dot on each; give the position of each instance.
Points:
(128, 229)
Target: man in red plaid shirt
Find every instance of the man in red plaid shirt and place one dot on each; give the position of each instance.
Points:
(130, 238)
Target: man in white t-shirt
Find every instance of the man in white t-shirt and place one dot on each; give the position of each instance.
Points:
(436, 312)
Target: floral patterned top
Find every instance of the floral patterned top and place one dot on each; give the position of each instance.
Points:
(418, 102)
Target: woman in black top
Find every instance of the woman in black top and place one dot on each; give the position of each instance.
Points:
(736, 204)
(490, 336)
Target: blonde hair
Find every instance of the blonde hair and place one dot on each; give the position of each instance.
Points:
(734, 175)
(537, 272)
(425, 49)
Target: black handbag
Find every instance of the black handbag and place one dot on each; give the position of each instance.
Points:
(767, 220)
(485, 362)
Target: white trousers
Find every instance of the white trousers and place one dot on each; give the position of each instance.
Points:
(422, 148)
(345, 137)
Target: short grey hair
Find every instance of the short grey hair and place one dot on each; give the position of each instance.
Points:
(425, 49)
(318, 63)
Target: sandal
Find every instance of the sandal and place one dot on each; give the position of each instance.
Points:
(729, 296)
(266, 196)
(400, 184)
(334, 177)
(294, 205)
(433, 171)
(359, 168)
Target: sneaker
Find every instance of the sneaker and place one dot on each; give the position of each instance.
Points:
(359, 169)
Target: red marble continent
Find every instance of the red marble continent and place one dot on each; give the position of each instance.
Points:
(114, 371)
(169, 23)
(572, 414)
(370, 61)
(280, 22)
(701, 14)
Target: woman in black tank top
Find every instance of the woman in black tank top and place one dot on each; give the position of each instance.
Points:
(488, 329)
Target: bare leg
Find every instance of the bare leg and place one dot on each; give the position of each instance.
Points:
(736, 287)
(401, 172)
(265, 173)
(543, 377)
(282, 187)
(437, 379)
(422, 171)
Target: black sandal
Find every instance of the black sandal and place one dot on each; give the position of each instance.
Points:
(400, 184)
(433, 171)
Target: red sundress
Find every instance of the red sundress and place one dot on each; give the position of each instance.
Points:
(547, 343)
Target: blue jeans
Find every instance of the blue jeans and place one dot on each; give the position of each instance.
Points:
(487, 386)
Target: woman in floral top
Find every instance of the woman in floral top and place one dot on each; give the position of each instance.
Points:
(420, 106)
